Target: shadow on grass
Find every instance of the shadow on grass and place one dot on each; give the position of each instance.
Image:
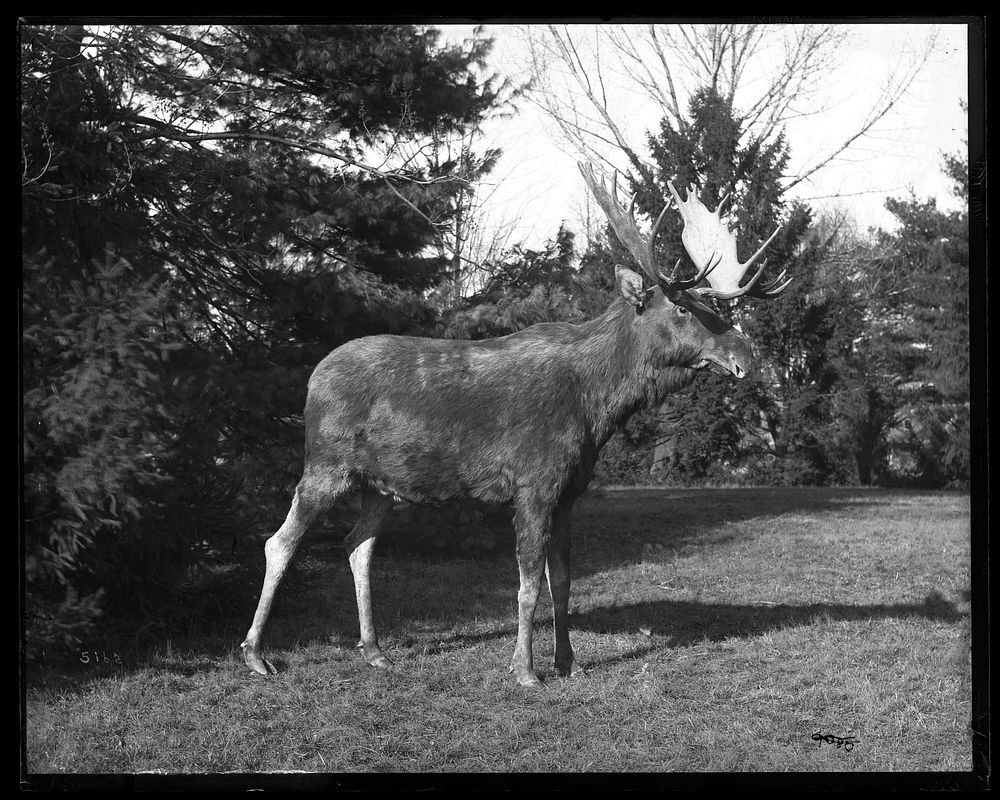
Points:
(673, 624)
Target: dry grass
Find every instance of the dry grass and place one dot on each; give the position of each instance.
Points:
(720, 630)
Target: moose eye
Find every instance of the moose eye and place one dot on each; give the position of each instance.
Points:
(681, 310)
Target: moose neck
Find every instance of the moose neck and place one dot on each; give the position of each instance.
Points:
(622, 370)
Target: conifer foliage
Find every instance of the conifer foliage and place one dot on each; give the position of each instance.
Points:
(207, 211)
(862, 361)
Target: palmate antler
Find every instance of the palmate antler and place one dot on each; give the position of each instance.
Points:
(641, 247)
(706, 237)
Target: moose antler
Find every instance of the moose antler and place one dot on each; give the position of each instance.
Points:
(625, 227)
(706, 236)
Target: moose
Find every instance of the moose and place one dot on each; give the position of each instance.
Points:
(518, 419)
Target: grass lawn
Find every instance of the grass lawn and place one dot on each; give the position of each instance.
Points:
(720, 630)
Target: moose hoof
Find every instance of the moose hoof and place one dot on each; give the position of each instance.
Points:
(526, 677)
(256, 661)
(531, 682)
(376, 658)
(571, 671)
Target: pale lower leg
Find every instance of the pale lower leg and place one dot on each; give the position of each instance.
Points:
(532, 524)
(360, 543)
(310, 499)
(522, 664)
(278, 551)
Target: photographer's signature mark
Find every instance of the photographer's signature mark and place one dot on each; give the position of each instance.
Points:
(847, 742)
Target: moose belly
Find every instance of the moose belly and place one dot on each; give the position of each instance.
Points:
(427, 468)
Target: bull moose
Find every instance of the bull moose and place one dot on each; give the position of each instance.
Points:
(518, 419)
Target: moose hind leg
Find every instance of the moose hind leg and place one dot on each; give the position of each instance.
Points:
(312, 497)
(360, 543)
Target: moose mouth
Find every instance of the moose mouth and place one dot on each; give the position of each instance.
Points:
(721, 367)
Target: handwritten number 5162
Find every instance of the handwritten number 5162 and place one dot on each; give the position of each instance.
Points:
(98, 657)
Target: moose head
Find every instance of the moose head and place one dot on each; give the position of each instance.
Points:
(696, 335)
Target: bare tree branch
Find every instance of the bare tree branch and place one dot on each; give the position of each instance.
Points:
(891, 94)
(769, 74)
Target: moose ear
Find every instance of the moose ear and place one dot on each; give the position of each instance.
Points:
(630, 285)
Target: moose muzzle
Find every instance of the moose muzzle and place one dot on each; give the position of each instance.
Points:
(731, 355)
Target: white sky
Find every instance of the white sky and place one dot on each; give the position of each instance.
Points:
(538, 182)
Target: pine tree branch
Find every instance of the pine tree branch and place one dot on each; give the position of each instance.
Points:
(166, 131)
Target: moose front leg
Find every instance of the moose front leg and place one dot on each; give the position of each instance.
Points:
(557, 571)
(532, 525)
(360, 543)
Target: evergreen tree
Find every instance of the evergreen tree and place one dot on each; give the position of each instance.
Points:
(525, 287)
(207, 211)
(930, 250)
(777, 426)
